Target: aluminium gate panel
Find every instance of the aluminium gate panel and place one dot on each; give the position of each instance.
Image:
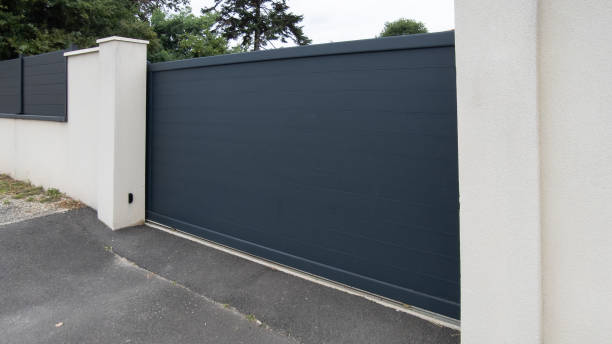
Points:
(339, 160)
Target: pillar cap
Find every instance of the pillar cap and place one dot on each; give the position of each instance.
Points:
(82, 51)
(122, 39)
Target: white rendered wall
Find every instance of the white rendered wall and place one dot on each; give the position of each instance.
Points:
(496, 60)
(98, 155)
(7, 146)
(576, 145)
(535, 167)
(122, 131)
(54, 154)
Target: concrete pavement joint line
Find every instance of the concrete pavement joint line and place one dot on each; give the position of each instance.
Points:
(248, 317)
(434, 318)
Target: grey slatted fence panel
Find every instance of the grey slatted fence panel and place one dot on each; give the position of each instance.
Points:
(336, 159)
(44, 86)
(10, 86)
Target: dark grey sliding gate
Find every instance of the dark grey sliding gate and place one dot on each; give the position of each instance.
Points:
(337, 159)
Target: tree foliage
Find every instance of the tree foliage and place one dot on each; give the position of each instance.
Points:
(146, 8)
(184, 35)
(257, 22)
(35, 26)
(32, 27)
(403, 26)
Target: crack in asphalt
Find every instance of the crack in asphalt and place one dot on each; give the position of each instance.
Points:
(150, 274)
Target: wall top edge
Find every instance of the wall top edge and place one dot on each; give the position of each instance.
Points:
(122, 39)
(82, 51)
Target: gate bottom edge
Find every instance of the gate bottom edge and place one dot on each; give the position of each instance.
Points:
(435, 309)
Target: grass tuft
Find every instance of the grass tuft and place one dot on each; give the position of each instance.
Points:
(51, 195)
(17, 189)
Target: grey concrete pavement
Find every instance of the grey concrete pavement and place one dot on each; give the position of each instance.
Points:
(142, 285)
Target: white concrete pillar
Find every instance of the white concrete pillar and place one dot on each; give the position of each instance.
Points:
(576, 149)
(535, 166)
(499, 174)
(122, 131)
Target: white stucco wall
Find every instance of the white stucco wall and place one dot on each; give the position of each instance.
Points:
(496, 58)
(54, 154)
(7, 146)
(98, 155)
(535, 169)
(576, 145)
(122, 131)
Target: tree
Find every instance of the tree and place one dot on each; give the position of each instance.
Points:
(257, 22)
(32, 27)
(36, 26)
(184, 35)
(403, 26)
(146, 8)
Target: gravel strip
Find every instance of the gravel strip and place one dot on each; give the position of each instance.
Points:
(20, 200)
(15, 210)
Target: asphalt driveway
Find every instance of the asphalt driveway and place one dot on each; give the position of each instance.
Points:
(66, 278)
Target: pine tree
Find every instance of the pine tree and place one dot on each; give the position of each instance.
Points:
(257, 22)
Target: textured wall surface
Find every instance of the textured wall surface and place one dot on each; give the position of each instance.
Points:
(576, 148)
(498, 171)
(122, 131)
(98, 155)
(59, 155)
(535, 167)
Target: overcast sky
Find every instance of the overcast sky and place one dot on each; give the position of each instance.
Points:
(344, 20)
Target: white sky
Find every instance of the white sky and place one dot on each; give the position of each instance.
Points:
(344, 20)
